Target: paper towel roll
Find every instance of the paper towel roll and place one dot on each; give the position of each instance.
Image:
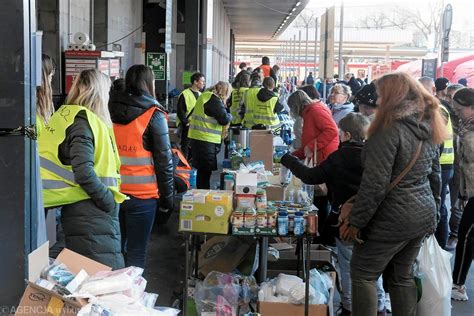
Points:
(77, 47)
(91, 47)
(70, 46)
(81, 38)
(83, 47)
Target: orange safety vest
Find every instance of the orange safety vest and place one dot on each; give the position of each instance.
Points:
(137, 170)
(266, 70)
(182, 171)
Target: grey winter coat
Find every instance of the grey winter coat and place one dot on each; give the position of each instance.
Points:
(91, 227)
(409, 210)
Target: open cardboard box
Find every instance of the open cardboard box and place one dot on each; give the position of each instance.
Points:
(37, 300)
(286, 309)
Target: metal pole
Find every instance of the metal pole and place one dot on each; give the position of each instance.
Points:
(91, 21)
(316, 21)
(306, 51)
(341, 36)
(299, 54)
(294, 56)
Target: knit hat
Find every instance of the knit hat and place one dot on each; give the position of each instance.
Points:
(367, 95)
(441, 83)
(463, 81)
(464, 97)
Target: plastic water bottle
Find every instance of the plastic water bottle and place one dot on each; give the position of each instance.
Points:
(192, 178)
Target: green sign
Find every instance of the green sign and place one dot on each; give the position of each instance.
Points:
(187, 77)
(157, 63)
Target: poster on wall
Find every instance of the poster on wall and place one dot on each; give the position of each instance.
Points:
(157, 63)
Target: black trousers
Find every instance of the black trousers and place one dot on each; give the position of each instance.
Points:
(203, 179)
(185, 146)
(464, 248)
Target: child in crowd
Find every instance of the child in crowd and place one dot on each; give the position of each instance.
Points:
(342, 173)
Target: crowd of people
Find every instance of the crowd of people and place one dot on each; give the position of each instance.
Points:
(392, 147)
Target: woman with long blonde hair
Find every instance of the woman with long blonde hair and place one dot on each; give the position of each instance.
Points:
(206, 131)
(80, 170)
(44, 93)
(393, 221)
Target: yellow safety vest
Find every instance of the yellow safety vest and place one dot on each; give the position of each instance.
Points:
(204, 127)
(39, 125)
(237, 96)
(263, 113)
(59, 185)
(190, 101)
(447, 156)
(250, 100)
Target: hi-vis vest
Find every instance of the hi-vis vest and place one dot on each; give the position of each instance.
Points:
(183, 171)
(137, 169)
(263, 113)
(237, 96)
(447, 156)
(190, 101)
(250, 99)
(59, 186)
(203, 127)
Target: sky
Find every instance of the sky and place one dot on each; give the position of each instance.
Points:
(462, 9)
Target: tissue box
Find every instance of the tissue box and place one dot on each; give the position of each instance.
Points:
(206, 211)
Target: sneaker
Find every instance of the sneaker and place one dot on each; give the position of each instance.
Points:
(388, 304)
(451, 244)
(458, 293)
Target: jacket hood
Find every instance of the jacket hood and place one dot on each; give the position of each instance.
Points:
(125, 107)
(421, 129)
(341, 107)
(264, 95)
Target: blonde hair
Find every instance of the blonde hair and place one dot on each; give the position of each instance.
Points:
(395, 92)
(44, 93)
(91, 90)
(222, 90)
(297, 102)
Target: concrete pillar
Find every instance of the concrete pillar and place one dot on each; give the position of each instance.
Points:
(192, 17)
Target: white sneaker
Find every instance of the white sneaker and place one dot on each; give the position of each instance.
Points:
(388, 303)
(458, 293)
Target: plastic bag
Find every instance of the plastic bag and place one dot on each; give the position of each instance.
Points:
(105, 282)
(57, 273)
(319, 285)
(435, 268)
(285, 282)
(218, 293)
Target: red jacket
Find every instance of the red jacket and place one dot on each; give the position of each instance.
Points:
(318, 125)
(266, 69)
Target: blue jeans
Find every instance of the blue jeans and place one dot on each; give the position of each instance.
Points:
(344, 255)
(136, 221)
(442, 231)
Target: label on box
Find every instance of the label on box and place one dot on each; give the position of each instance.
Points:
(216, 198)
(187, 207)
(219, 211)
(266, 231)
(243, 231)
(186, 224)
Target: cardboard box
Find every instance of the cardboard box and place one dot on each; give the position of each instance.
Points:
(37, 300)
(222, 253)
(206, 211)
(285, 309)
(276, 192)
(261, 147)
(246, 183)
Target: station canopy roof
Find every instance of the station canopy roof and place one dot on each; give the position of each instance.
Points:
(262, 19)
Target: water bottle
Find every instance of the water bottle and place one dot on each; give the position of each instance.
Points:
(192, 178)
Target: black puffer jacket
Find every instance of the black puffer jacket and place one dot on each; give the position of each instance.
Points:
(125, 108)
(409, 210)
(341, 171)
(91, 227)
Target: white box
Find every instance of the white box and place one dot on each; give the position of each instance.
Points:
(246, 183)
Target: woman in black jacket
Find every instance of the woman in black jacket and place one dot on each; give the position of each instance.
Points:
(141, 131)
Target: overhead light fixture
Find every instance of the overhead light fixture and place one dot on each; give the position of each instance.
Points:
(297, 4)
(293, 9)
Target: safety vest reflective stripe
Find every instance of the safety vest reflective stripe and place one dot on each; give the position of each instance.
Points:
(138, 179)
(263, 117)
(55, 184)
(448, 150)
(210, 120)
(69, 175)
(133, 161)
(204, 129)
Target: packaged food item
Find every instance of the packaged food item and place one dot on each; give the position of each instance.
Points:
(299, 228)
(250, 218)
(238, 219)
(57, 273)
(271, 218)
(312, 223)
(261, 219)
(291, 221)
(283, 223)
(261, 199)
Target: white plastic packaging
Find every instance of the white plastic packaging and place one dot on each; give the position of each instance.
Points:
(285, 282)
